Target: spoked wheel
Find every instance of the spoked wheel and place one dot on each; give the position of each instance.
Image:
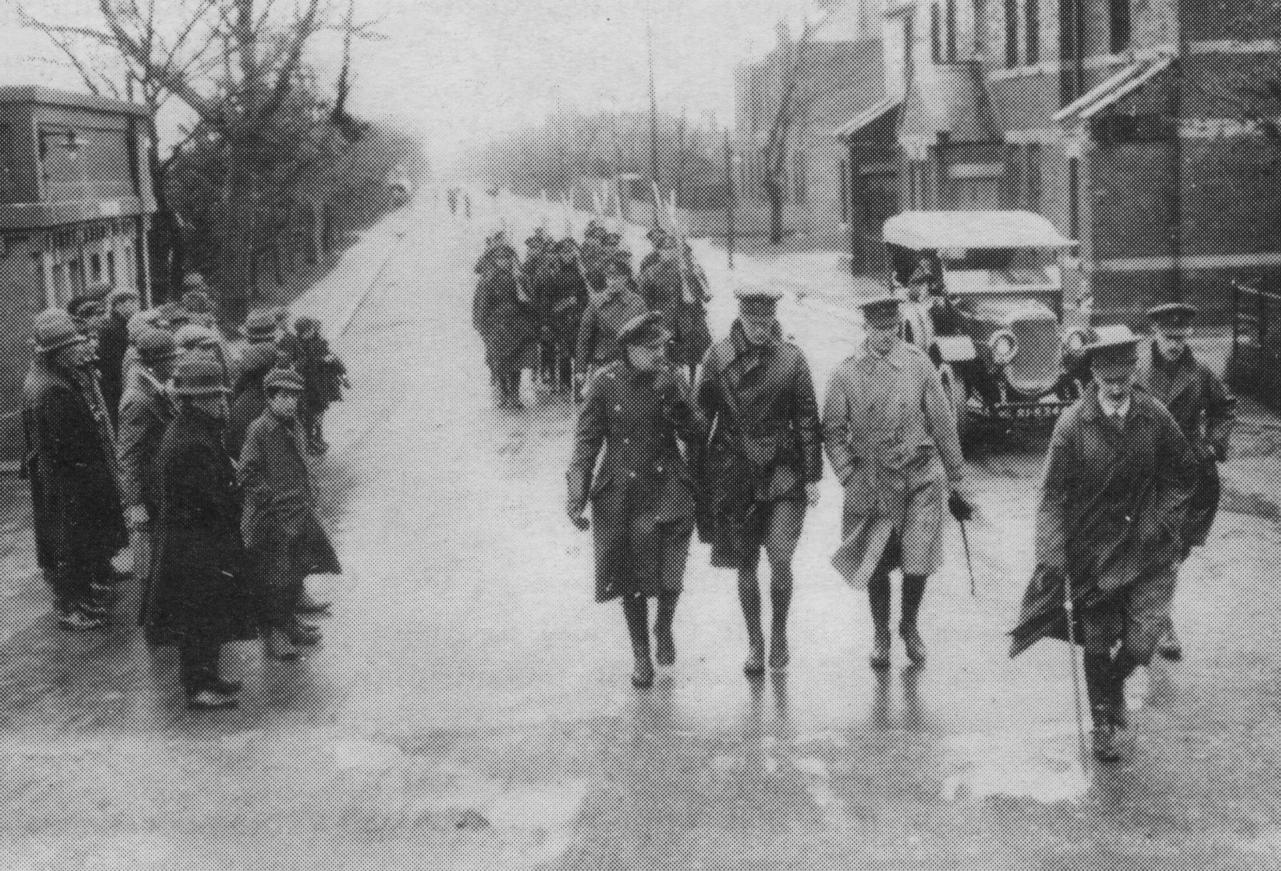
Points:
(957, 391)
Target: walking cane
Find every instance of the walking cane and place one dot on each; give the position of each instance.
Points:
(1076, 678)
(969, 561)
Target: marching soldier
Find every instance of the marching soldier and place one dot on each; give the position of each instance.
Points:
(504, 315)
(891, 437)
(764, 461)
(655, 235)
(637, 410)
(606, 315)
(1204, 410)
(71, 466)
(562, 293)
(1113, 513)
(672, 287)
(201, 595)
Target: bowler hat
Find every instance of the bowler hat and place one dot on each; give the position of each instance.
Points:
(755, 299)
(198, 375)
(1177, 315)
(282, 378)
(882, 312)
(155, 345)
(1113, 351)
(55, 329)
(645, 330)
(84, 307)
(260, 326)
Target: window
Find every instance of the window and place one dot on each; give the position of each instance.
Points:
(1120, 18)
(936, 42)
(1074, 197)
(1032, 13)
(1011, 33)
(1034, 176)
(95, 267)
(8, 172)
(111, 268)
(951, 31)
(845, 191)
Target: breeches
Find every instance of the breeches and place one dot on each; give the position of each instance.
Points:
(776, 528)
(1136, 616)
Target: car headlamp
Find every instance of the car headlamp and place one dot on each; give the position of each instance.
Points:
(1004, 347)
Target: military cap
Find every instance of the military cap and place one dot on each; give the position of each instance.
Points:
(282, 379)
(1172, 315)
(198, 375)
(260, 326)
(755, 299)
(195, 336)
(155, 345)
(257, 357)
(646, 330)
(120, 295)
(1118, 351)
(197, 302)
(881, 312)
(54, 329)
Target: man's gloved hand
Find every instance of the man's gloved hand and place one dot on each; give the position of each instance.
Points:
(959, 506)
(576, 517)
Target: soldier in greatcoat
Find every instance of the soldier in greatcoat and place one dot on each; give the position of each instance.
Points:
(145, 412)
(282, 532)
(763, 462)
(891, 437)
(674, 286)
(607, 313)
(639, 412)
(561, 293)
(503, 313)
(1205, 411)
(1111, 523)
(70, 462)
(202, 594)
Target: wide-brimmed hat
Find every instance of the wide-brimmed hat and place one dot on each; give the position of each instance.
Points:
(198, 375)
(55, 329)
(882, 312)
(282, 378)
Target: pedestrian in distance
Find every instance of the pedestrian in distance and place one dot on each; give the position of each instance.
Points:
(323, 375)
(891, 437)
(284, 537)
(70, 462)
(764, 461)
(628, 464)
(1205, 411)
(112, 343)
(607, 313)
(1118, 479)
(202, 595)
(504, 315)
(561, 294)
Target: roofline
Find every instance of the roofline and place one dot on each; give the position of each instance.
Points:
(40, 95)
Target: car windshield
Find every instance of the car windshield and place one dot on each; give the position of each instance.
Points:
(976, 270)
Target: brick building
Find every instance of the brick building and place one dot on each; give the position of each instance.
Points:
(75, 200)
(1117, 119)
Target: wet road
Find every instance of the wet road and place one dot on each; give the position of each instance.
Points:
(469, 706)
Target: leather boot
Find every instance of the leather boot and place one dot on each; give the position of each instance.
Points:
(780, 602)
(643, 670)
(1099, 689)
(1104, 736)
(912, 643)
(879, 658)
(1120, 670)
(276, 646)
(636, 613)
(1169, 646)
(664, 643)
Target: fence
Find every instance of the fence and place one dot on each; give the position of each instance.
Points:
(1255, 364)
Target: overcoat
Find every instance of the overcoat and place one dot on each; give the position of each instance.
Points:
(280, 527)
(561, 295)
(505, 320)
(248, 402)
(680, 299)
(1205, 411)
(113, 341)
(765, 439)
(74, 491)
(891, 437)
(606, 315)
(1114, 497)
(201, 587)
(642, 495)
(145, 413)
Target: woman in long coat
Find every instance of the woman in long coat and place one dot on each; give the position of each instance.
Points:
(504, 315)
(638, 410)
(202, 595)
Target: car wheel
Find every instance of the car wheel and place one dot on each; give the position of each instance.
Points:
(957, 392)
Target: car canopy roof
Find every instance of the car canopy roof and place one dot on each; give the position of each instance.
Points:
(973, 229)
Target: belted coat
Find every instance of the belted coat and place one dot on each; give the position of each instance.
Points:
(606, 315)
(504, 316)
(642, 494)
(765, 438)
(679, 296)
(891, 437)
(1205, 411)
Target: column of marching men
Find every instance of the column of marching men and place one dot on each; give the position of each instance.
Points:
(147, 424)
(677, 434)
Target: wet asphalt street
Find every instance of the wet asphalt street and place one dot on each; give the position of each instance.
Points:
(469, 706)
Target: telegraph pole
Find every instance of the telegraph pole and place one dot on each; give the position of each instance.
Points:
(653, 118)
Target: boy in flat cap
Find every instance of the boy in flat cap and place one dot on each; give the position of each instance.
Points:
(764, 461)
(890, 434)
(637, 411)
(1203, 408)
(1118, 479)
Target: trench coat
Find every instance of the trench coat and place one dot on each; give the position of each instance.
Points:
(506, 320)
(891, 438)
(561, 296)
(74, 491)
(1205, 411)
(606, 315)
(765, 439)
(680, 299)
(642, 495)
(201, 588)
(279, 525)
(145, 413)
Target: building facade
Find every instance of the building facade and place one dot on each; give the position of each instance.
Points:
(75, 201)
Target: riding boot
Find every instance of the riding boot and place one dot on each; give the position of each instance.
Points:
(913, 591)
(780, 602)
(1121, 668)
(513, 393)
(1098, 687)
(878, 597)
(664, 644)
(636, 613)
(1169, 646)
(749, 596)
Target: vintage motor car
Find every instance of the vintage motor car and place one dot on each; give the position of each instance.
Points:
(985, 298)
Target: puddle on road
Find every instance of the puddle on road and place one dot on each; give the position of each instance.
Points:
(1042, 767)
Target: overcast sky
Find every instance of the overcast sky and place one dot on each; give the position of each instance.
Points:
(462, 70)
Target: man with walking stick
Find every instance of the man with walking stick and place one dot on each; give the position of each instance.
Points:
(1109, 533)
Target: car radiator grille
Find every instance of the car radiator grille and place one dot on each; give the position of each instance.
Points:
(1035, 368)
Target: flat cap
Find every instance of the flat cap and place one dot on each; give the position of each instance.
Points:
(195, 336)
(1113, 350)
(757, 299)
(282, 378)
(645, 330)
(198, 375)
(120, 294)
(155, 345)
(260, 326)
(194, 281)
(54, 329)
(881, 311)
(84, 307)
(257, 357)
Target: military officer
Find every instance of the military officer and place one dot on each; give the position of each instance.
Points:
(605, 317)
(1118, 479)
(764, 461)
(674, 287)
(891, 437)
(637, 410)
(1204, 410)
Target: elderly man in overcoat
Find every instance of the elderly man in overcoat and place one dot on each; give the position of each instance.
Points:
(202, 595)
(890, 434)
(504, 315)
(763, 461)
(638, 411)
(282, 532)
(1203, 408)
(1118, 480)
(71, 464)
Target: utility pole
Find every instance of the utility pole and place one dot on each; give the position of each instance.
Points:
(653, 118)
(729, 199)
